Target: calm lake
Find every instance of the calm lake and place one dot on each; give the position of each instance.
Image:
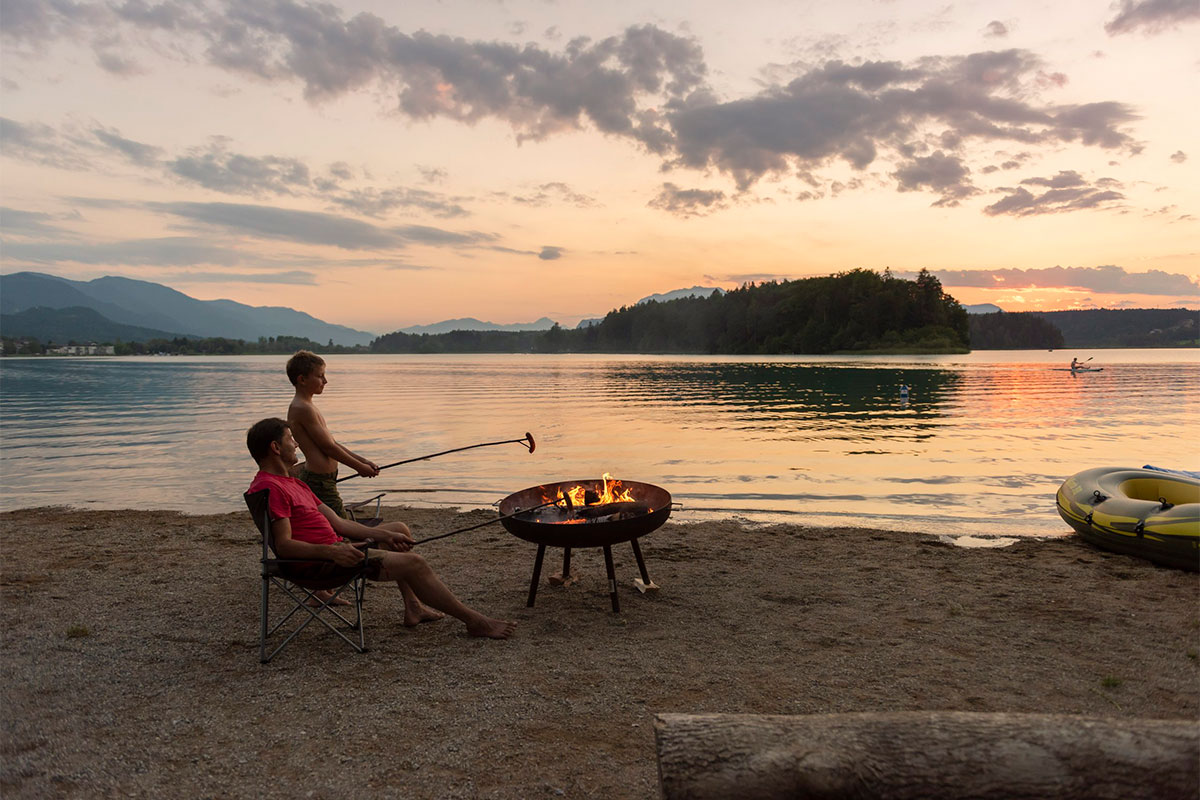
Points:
(978, 449)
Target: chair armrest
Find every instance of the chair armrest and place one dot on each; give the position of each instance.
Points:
(353, 509)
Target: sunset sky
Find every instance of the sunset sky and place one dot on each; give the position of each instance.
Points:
(382, 164)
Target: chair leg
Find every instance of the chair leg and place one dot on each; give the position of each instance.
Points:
(357, 587)
(262, 639)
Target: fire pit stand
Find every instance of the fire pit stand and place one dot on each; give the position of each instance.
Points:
(654, 507)
(608, 565)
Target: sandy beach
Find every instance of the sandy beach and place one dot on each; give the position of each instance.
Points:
(131, 654)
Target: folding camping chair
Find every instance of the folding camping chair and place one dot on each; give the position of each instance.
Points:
(280, 573)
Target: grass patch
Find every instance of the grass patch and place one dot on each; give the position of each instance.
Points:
(1111, 682)
(78, 632)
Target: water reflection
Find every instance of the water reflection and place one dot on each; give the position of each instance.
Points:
(792, 401)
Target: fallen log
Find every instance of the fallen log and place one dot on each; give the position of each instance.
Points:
(903, 755)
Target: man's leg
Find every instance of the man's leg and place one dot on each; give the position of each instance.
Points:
(415, 612)
(414, 571)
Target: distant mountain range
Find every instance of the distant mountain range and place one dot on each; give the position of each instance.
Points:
(665, 297)
(472, 324)
(150, 306)
(77, 323)
(982, 308)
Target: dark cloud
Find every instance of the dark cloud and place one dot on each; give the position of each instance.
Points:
(688, 202)
(1152, 16)
(38, 21)
(946, 175)
(167, 251)
(996, 29)
(1065, 179)
(290, 225)
(118, 64)
(41, 144)
(1179, 157)
(553, 193)
(423, 234)
(379, 202)
(16, 222)
(536, 91)
(293, 277)
(550, 253)
(72, 147)
(1066, 191)
(144, 155)
(852, 112)
(214, 167)
(1106, 279)
(311, 227)
(433, 174)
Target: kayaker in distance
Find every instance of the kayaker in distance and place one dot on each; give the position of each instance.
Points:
(1074, 364)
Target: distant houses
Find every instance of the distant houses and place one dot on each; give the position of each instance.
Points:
(92, 349)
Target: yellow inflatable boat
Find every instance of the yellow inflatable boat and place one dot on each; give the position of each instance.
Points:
(1139, 512)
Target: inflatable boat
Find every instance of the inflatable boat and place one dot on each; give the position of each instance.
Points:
(1148, 513)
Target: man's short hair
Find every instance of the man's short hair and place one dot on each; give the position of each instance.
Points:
(262, 434)
(301, 364)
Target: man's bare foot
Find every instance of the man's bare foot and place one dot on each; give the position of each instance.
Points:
(415, 615)
(491, 628)
(321, 596)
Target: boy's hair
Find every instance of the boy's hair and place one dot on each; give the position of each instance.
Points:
(301, 364)
(262, 434)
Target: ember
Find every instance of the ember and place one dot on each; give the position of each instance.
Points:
(580, 496)
(580, 504)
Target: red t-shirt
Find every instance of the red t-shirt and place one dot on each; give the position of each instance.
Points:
(291, 499)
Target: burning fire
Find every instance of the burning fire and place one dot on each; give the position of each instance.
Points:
(612, 493)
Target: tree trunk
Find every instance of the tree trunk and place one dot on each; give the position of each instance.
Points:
(895, 756)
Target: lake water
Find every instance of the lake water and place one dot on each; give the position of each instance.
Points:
(978, 449)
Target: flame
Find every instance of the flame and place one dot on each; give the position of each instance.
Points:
(613, 493)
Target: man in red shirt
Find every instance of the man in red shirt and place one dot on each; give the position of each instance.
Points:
(304, 527)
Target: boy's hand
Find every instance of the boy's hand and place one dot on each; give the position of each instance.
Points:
(345, 554)
(368, 470)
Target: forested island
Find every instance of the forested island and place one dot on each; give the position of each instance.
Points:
(859, 311)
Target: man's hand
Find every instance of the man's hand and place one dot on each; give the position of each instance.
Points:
(368, 470)
(399, 542)
(345, 554)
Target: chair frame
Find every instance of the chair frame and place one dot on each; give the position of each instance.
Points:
(274, 572)
(354, 509)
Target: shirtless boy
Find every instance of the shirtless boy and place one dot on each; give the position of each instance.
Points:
(322, 453)
(303, 527)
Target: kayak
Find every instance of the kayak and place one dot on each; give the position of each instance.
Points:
(1139, 512)
(1078, 369)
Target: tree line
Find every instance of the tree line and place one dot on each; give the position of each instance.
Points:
(187, 346)
(855, 311)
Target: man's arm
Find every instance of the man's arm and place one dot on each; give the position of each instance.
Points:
(315, 430)
(354, 530)
(343, 553)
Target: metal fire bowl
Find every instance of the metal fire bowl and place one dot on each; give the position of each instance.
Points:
(585, 534)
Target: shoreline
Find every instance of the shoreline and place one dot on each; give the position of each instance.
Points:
(130, 639)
